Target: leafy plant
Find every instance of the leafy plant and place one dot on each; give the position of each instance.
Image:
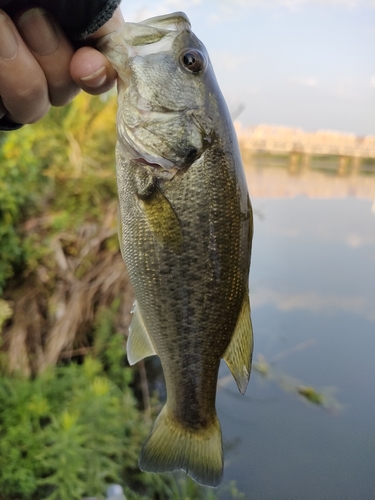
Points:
(68, 432)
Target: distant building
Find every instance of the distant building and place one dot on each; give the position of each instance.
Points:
(280, 139)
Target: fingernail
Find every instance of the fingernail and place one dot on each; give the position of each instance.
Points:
(38, 31)
(8, 42)
(97, 79)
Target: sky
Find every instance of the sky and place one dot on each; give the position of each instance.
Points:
(308, 64)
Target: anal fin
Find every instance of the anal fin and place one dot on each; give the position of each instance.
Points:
(240, 350)
(139, 344)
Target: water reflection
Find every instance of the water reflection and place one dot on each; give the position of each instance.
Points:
(313, 302)
(275, 177)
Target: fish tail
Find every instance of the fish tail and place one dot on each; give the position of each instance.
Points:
(171, 446)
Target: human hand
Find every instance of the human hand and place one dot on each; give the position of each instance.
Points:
(40, 67)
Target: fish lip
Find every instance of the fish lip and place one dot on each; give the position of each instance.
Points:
(143, 161)
(156, 166)
(156, 169)
(128, 146)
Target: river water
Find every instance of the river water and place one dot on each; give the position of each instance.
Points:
(313, 309)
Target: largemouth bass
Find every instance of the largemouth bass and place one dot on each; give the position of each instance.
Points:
(185, 234)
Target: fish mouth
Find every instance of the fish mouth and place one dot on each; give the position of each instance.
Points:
(157, 166)
(156, 169)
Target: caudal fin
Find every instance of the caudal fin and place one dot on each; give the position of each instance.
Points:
(170, 446)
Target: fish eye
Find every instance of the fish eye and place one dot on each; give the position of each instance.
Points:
(193, 60)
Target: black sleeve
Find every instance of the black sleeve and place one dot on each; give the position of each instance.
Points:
(78, 18)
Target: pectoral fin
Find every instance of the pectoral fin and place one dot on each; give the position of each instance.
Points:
(162, 220)
(139, 344)
(239, 352)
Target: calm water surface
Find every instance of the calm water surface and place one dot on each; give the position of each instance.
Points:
(313, 302)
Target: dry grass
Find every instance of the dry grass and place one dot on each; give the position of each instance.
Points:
(54, 307)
